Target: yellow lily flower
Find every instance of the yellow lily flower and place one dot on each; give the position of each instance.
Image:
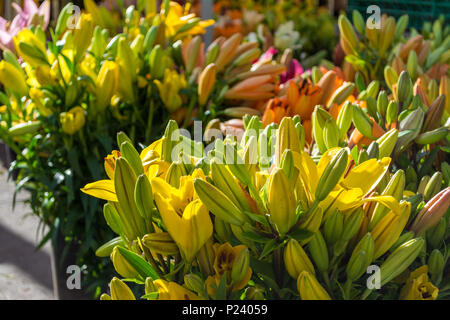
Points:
(106, 84)
(185, 217)
(30, 48)
(225, 257)
(173, 291)
(72, 120)
(418, 287)
(351, 189)
(169, 88)
(176, 19)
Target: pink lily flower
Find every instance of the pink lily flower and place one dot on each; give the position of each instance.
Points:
(30, 15)
(294, 70)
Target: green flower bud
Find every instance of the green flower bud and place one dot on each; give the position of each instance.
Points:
(332, 174)
(361, 258)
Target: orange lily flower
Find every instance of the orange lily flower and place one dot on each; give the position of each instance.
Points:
(277, 108)
(303, 97)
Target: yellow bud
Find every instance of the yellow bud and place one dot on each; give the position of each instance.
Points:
(280, 201)
(12, 78)
(296, 260)
(122, 266)
(106, 84)
(309, 288)
(206, 83)
(120, 291)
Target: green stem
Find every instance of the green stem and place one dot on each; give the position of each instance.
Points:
(148, 129)
(366, 294)
(347, 289)
(187, 118)
(163, 263)
(326, 278)
(277, 265)
(152, 261)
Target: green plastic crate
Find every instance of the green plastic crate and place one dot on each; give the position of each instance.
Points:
(418, 11)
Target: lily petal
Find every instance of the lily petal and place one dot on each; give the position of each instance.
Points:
(102, 189)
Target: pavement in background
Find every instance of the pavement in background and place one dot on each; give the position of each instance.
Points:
(24, 273)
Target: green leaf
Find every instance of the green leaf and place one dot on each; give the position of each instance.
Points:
(300, 234)
(250, 235)
(222, 289)
(139, 264)
(268, 248)
(150, 296)
(258, 218)
(354, 153)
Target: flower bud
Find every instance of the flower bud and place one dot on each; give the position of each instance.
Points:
(161, 243)
(212, 52)
(319, 118)
(331, 134)
(434, 114)
(390, 76)
(392, 112)
(194, 283)
(422, 184)
(287, 138)
(218, 203)
(254, 293)
(361, 258)
(206, 83)
(206, 256)
(401, 240)
(341, 93)
(347, 32)
(386, 143)
(432, 212)
(122, 266)
(333, 227)
(404, 88)
(296, 260)
(411, 124)
(319, 251)
(193, 51)
(332, 174)
(352, 223)
(436, 264)
(436, 235)
(344, 119)
(120, 291)
(362, 121)
(280, 201)
(400, 259)
(309, 288)
(240, 266)
(412, 64)
(433, 186)
(432, 136)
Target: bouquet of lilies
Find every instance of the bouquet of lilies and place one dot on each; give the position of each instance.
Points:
(376, 48)
(63, 97)
(276, 23)
(227, 220)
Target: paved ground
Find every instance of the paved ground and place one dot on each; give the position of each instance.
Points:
(24, 273)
